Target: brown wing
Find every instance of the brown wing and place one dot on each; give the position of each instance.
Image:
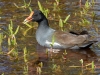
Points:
(66, 38)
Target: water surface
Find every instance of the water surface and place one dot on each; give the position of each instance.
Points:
(9, 65)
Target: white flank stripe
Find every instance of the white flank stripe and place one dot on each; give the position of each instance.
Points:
(55, 43)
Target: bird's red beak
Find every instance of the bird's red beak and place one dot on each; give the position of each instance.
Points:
(29, 18)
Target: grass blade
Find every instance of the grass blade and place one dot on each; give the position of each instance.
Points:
(16, 30)
(40, 6)
(66, 18)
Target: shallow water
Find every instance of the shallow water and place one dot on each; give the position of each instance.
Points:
(10, 65)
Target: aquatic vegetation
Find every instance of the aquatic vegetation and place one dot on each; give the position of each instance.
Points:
(26, 5)
(44, 10)
(86, 18)
(57, 2)
(28, 25)
(62, 22)
(39, 71)
(55, 68)
(30, 9)
(98, 44)
(2, 74)
(25, 32)
(93, 66)
(64, 55)
(26, 70)
(84, 22)
(65, 52)
(81, 62)
(13, 52)
(56, 5)
(89, 66)
(87, 4)
(93, 2)
(93, 15)
(53, 40)
(25, 55)
(11, 34)
(39, 68)
(1, 38)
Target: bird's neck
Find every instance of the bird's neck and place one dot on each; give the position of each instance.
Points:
(43, 27)
(43, 23)
(42, 31)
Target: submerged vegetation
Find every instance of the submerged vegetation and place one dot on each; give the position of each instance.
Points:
(85, 20)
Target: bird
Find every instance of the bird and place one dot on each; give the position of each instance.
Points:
(49, 37)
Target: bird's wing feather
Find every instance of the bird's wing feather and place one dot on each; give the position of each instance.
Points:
(66, 38)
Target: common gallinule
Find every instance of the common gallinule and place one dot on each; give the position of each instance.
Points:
(62, 40)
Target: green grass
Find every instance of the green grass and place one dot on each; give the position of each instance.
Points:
(44, 10)
(25, 55)
(11, 34)
(2, 74)
(63, 22)
(12, 43)
(26, 70)
(26, 5)
(1, 38)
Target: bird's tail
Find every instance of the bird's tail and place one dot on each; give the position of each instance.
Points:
(87, 45)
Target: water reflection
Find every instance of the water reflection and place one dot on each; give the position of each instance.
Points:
(80, 54)
(73, 57)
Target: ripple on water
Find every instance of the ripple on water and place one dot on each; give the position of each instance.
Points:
(2, 23)
(3, 68)
(4, 64)
(1, 4)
